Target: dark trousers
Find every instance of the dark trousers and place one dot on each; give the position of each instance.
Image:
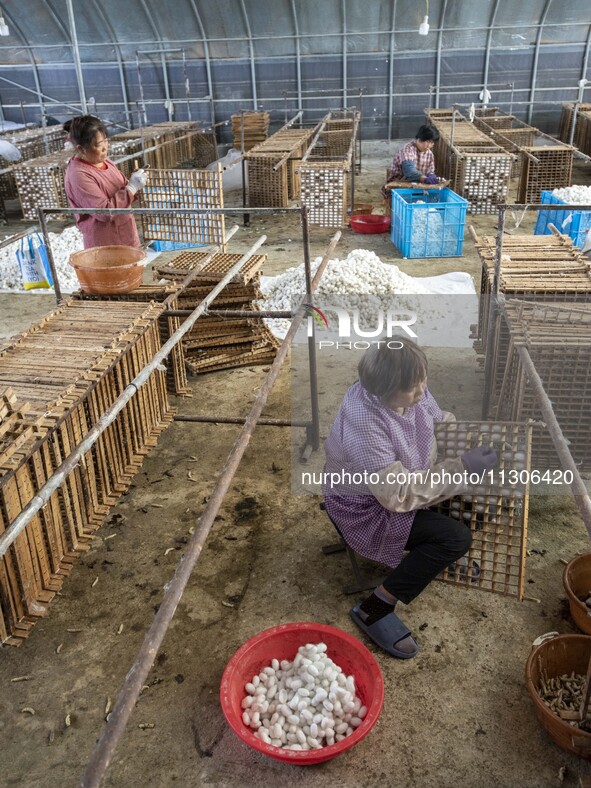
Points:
(434, 542)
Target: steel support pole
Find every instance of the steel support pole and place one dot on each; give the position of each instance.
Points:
(76, 56)
(493, 315)
(534, 74)
(391, 72)
(439, 49)
(50, 260)
(489, 36)
(345, 75)
(265, 422)
(251, 53)
(298, 54)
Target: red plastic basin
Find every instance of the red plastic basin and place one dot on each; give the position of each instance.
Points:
(282, 642)
(368, 224)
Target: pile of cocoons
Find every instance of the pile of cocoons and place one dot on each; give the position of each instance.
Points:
(306, 704)
(430, 237)
(359, 275)
(574, 195)
(62, 245)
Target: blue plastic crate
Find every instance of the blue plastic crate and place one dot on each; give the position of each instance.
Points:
(172, 246)
(576, 228)
(428, 223)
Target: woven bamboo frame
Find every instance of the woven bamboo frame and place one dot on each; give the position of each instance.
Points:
(184, 189)
(495, 513)
(543, 269)
(182, 263)
(255, 126)
(582, 137)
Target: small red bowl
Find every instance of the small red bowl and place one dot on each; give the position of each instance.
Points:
(368, 224)
(282, 642)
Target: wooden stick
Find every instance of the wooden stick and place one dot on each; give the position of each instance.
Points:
(584, 710)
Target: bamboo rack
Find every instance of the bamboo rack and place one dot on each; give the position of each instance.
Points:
(48, 408)
(31, 143)
(272, 177)
(478, 169)
(534, 268)
(582, 137)
(253, 127)
(325, 170)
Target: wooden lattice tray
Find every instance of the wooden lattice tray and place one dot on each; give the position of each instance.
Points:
(495, 513)
(213, 271)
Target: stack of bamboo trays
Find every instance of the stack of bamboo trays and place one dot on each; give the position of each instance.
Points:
(495, 511)
(40, 183)
(326, 171)
(58, 378)
(272, 178)
(478, 169)
(582, 137)
(558, 338)
(553, 169)
(256, 129)
(31, 143)
(216, 343)
(176, 373)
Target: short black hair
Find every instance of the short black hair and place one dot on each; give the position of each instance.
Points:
(388, 371)
(426, 133)
(84, 128)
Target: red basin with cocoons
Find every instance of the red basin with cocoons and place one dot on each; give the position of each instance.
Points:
(282, 642)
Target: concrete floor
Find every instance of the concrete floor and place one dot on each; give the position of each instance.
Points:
(458, 714)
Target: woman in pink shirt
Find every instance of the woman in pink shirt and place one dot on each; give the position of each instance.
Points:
(93, 181)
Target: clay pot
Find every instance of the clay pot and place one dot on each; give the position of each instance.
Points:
(576, 579)
(561, 654)
(108, 270)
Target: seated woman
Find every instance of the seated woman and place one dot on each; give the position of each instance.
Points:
(414, 162)
(385, 429)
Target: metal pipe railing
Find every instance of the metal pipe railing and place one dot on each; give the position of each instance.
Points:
(580, 492)
(135, 678)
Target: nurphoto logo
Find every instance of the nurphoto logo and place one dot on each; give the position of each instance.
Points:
(349, 325)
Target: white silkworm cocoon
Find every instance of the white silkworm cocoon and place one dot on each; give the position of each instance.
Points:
(312, 694)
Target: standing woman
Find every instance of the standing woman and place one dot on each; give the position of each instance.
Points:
(93, 181)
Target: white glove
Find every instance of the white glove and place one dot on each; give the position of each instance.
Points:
(138, 180)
